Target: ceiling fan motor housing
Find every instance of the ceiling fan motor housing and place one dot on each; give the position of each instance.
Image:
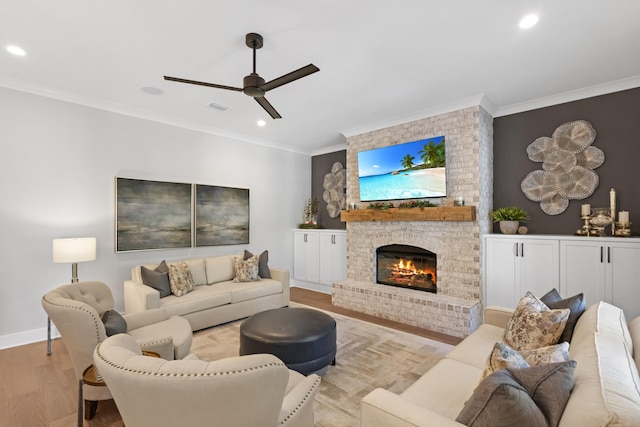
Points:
(251, 85)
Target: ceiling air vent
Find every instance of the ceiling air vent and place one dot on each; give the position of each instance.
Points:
(218, 106)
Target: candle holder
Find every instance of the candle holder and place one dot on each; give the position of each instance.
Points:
(586, 229)
(623, 229)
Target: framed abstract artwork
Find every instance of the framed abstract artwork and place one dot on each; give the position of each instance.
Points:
(152, 215)
(221, 215)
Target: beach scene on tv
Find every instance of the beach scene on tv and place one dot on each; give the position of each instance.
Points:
(411, 170)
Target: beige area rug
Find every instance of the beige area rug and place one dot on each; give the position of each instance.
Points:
(369, 356)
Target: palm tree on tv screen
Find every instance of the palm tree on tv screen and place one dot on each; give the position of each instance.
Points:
(407, 161)
(432, 155)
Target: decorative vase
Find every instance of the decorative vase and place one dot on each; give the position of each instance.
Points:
(509, 227)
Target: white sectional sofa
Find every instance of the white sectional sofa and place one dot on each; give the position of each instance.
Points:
(606, 388)
(216, 299)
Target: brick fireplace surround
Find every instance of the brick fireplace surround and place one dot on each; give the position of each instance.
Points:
(456, 309)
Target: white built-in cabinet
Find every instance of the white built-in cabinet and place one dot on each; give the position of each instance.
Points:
(319, 258)
(603, 268)
(514, 266)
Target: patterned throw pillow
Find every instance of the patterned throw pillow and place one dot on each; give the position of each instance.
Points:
(246, 270)
(502, 356)
(263, 263)
(180, 279)
(534, 325)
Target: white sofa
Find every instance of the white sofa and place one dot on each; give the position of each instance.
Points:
(606, 385)
(216, 299)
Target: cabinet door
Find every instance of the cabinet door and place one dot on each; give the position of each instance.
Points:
(623, 272)
(333, 257)
(306, 257)
(537, 266)
(500, 272)
(582, 269)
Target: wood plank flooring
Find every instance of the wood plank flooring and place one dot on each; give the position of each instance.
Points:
(37, 390)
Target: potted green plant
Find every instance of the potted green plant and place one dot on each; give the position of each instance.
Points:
(509, 218)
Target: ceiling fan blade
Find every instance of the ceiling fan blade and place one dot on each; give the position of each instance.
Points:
(194, 82)
(288, 78)
(268, 107)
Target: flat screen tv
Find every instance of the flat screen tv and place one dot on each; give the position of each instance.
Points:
(411, 170)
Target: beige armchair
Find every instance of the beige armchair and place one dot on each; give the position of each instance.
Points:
(244, 391)
(77, 311)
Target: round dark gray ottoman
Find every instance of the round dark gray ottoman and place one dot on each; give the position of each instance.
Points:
(304, 339)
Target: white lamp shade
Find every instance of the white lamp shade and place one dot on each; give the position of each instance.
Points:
(74, 250)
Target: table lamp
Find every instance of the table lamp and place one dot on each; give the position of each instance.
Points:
(74, 250)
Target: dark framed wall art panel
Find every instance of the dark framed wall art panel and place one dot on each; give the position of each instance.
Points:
(221, 215)
(152, 215)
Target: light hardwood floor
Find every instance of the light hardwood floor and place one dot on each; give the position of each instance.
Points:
(37, 390)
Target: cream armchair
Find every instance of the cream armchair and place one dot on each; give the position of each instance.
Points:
(245, 391)
(77, 311)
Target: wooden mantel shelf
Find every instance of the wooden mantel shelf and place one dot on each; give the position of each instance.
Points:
(440, 213)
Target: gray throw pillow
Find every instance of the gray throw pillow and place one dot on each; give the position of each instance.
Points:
(532, 397)
(576, 304)
(263, 263)
(158, 279)
(114, 323)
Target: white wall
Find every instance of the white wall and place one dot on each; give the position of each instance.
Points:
(57, 179)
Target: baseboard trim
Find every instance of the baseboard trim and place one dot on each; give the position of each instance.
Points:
(27, 337)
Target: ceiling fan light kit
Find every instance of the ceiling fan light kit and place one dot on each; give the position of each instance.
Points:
(253, 85)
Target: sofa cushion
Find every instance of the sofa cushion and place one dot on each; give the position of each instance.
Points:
(606, 376)
(473, 350)
(444, 388)
(249, 290)
(180, 279)
(198, 271)
(201, 298)
(634, 330)
(534, 325)
(263, 263)
(219, 269)
(158, 278)
(534, 396)
(114, 323)
(575, 304)
(503, 356)
(246, 270)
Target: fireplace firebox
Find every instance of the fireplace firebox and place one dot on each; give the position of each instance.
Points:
(406, 267)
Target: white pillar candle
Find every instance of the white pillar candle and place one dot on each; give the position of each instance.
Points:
(623, 217)
(586, 209)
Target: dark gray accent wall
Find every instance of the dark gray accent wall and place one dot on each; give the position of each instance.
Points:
(615, 117)
(320, 166)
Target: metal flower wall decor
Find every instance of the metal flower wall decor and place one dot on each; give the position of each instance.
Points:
(568, 160)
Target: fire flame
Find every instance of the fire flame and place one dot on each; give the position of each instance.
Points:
(407, 268)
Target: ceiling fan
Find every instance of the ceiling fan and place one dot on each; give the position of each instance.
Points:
(253, 84)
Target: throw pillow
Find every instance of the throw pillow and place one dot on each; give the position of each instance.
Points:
(180, 279)
(502, 356)
(157, 279)
(534, 325)
(533, 397)
(576, 304)
(114, 323)
(263, 263)
(246, 270)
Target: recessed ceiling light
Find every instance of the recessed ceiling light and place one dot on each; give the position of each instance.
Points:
(18, 51)
(150, 90)
(528, 21)
(261, 123)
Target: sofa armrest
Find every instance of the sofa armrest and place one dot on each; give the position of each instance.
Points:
(139, 297)
(297, 407)
(497, 316)
(282, 275)
(145, 318)
(382, 408)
